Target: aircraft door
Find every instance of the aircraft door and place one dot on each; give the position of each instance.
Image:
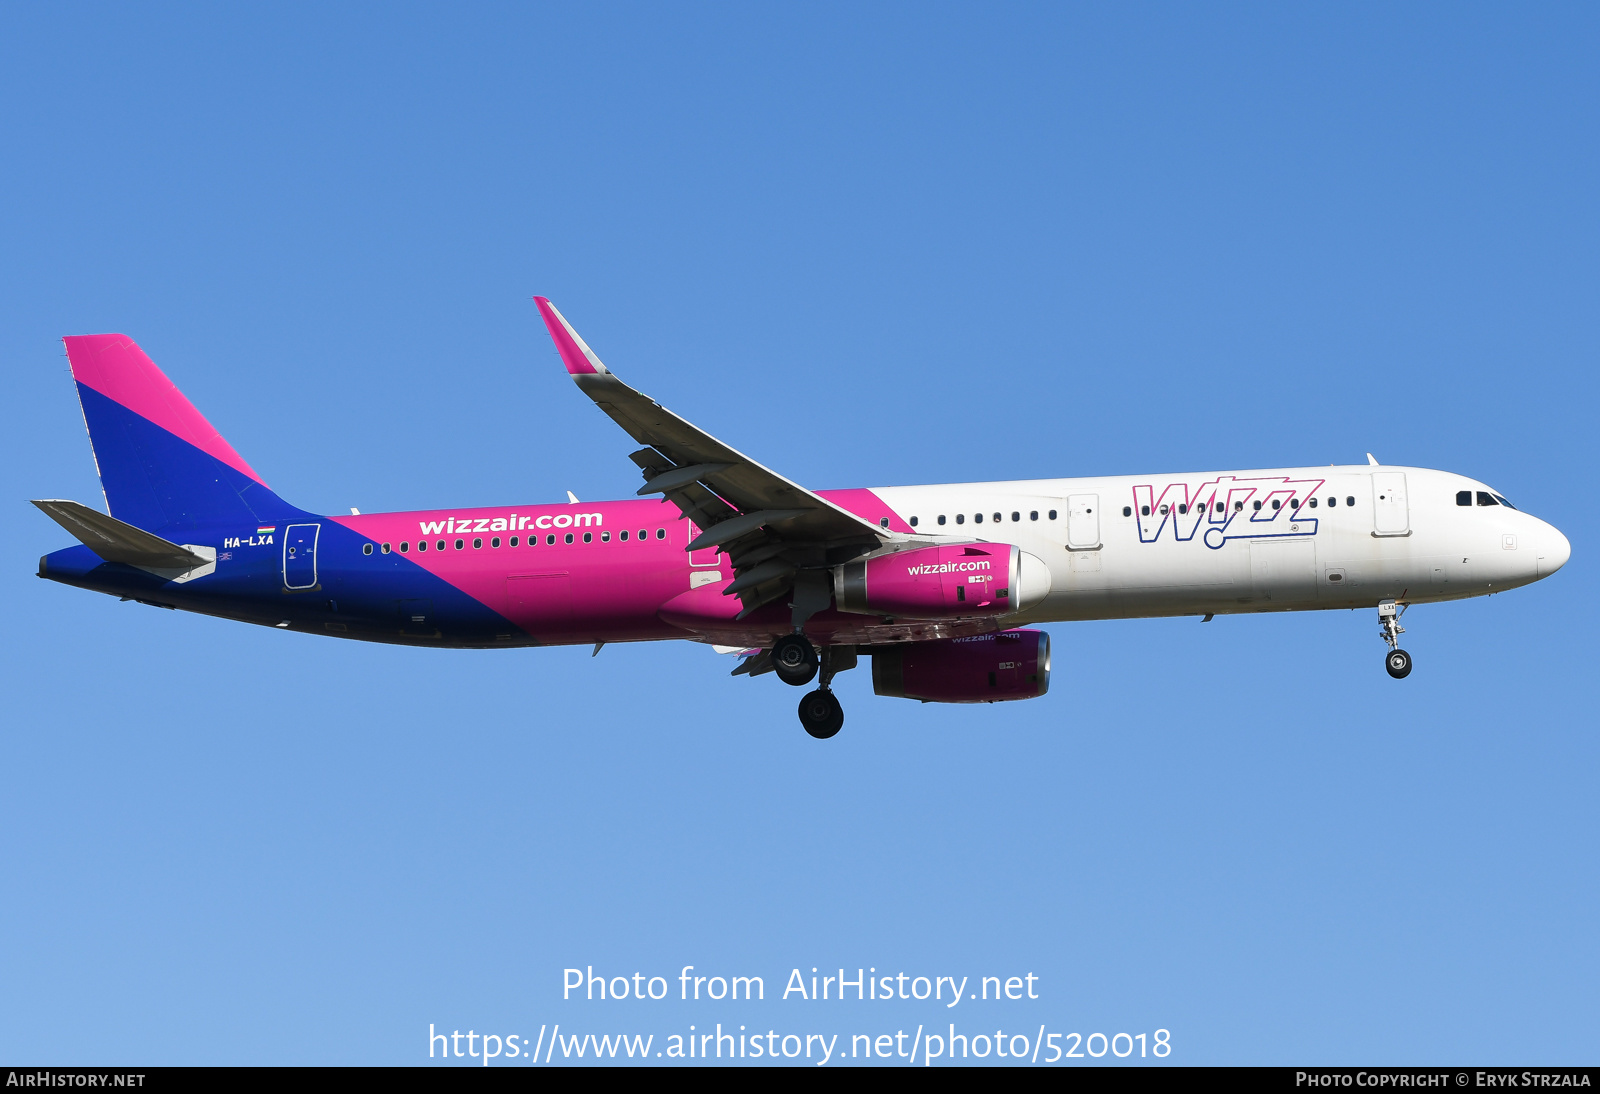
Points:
(1391, 516)
(300, 556)
(1083, 522)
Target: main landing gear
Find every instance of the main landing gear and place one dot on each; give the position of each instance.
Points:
(1397, 661)
(821, 714)
(794, 659)
(796, 662)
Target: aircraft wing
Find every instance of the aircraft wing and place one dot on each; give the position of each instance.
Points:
(772, 528)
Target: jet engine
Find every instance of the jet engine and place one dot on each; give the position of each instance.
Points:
(988, 668)
(943, 582)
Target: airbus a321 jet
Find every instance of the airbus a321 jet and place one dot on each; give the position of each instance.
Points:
(939, 585)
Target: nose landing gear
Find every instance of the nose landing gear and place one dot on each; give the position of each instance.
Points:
(1397, 662)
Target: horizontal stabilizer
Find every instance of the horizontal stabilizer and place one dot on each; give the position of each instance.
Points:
(118, 541)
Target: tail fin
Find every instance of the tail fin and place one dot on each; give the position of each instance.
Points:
(161, 464)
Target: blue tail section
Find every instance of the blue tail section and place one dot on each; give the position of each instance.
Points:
(163, 467)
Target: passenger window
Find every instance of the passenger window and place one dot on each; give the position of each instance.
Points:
(460, 544)
(623, 535)
(405, 546)
(1017, 516)
(1257, 505)
(977, 518)
(1052, 514)
(1313, 503)
(997, 518)
(883, 522)
(477, 544)
(495, 542)
(384, 548)
(941, 518)
(1183, 507)
(1486, 498)
(550, 540)
(961, 518)
(422, 545)
(1163, 510)
(1276, 503)
(661, 533)
(1350, 501)
(1127, 510)
(366, 548)
(605, 537)
(1144, 510)
(588, 537)
(569, 537)
(1463, 497)
(913, 522)
(513, 541)
(1034, 515)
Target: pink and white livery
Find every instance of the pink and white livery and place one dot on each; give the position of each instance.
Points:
(938, 584)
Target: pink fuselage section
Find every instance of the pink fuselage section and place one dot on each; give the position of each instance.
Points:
(612, 571)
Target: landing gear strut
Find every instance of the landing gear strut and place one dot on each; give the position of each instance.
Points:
(820, 712)
(794, 659)
(1397, 661)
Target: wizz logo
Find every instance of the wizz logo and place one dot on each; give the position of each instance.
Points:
(1227, 508)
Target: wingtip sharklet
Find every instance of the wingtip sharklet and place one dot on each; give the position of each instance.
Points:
(575, 352)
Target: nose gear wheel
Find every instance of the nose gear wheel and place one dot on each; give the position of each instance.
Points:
(1397, 662)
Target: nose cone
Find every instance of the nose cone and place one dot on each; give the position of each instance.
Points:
(1554, 550)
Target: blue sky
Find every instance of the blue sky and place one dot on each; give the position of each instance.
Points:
(896, 245)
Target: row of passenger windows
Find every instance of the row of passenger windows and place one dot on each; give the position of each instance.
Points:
(977, 518)
(1464, 497)
(533, 541)
(1238, 506)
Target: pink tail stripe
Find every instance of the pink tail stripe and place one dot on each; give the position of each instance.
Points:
(117, 368)
(575, 352)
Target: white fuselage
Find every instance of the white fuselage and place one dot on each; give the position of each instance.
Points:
(1286, 539)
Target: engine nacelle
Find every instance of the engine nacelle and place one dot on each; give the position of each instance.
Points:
(943, 582)
(988, 668)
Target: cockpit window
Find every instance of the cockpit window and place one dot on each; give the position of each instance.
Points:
(1502, 501)
(1463, 497)
(1486, 498)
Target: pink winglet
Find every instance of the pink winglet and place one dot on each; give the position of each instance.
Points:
(115, 366)
(575, 352)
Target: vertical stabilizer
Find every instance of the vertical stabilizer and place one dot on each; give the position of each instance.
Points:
(161, 464)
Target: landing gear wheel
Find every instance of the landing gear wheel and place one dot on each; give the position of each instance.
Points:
(794, 659)
(1398, 662)
(821, 714)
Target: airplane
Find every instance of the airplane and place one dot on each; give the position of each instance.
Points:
(941, 586)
